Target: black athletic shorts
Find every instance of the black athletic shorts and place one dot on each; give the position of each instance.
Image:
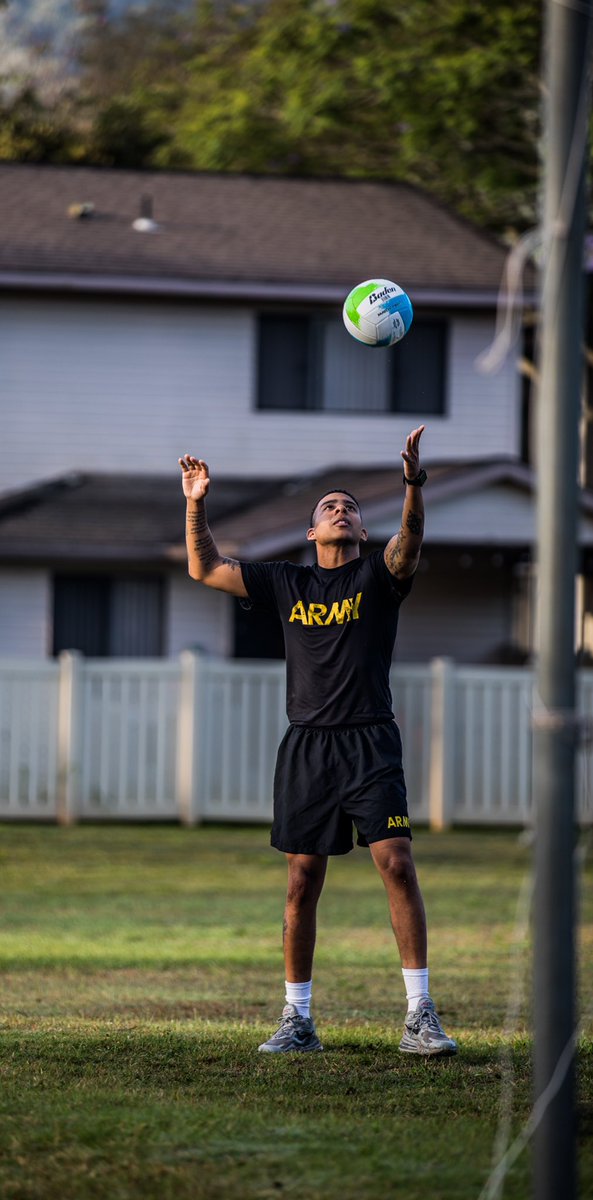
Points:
(329, 777)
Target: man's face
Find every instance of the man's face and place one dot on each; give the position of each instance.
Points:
(337, 521)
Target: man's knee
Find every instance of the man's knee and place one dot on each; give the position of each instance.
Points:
(394, 860)
(305, 880)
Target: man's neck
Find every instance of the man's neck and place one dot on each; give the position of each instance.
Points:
(336, 556)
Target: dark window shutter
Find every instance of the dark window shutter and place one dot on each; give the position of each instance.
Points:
(283, 374)
(419, 369)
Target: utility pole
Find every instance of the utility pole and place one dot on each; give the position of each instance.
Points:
(555, 725)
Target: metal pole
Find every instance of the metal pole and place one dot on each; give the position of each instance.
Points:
(554, 721)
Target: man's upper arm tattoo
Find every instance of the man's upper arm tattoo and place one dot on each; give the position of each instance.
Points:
(403, 549)
(393, 552)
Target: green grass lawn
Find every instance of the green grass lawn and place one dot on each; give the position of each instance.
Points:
(141, 967)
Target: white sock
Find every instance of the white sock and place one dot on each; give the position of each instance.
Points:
(416, 982)
(299, 994)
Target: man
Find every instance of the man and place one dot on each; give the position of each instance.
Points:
(340, 761)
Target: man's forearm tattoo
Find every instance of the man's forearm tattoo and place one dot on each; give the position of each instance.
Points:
(197, 520)
(202, 540)
(203, 543)
(415, 523)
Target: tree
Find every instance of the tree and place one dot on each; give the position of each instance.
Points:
(441, 93)
(132, 81)
(32, 132)
(444, 94)
(472, 129)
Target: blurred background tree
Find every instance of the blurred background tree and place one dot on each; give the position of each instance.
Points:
(440, 93)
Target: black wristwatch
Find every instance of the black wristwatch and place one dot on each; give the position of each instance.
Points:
(418, 481)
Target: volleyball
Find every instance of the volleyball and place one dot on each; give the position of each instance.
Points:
(377, 312)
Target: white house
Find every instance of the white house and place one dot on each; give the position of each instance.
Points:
(143, 315)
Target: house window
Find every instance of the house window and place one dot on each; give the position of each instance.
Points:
(308, 362)
(284, 362)
(104, 616)
(419, 369)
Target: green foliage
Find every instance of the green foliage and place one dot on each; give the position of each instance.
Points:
(123, 134)
(471, 133)
(32, 132)
(443, 94)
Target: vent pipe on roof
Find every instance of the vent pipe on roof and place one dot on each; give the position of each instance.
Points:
(145, 223)
(81, 211)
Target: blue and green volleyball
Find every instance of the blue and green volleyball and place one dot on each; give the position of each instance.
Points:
(377, 312)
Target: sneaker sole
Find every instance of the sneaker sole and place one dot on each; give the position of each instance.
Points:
(444, 1052)
(290, 1049)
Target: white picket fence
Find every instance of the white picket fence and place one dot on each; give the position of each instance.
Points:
(196, 739)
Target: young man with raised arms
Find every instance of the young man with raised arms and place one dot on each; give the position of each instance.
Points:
(340, 761)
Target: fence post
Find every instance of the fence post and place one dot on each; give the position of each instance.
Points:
(70, 699)
(189, 738)
(442, 744)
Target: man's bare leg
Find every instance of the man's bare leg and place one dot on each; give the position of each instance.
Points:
(296, 1031)
(393, 859)
(423, 1032)
(306, 876)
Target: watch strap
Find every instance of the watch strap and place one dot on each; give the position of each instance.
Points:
(418, 479)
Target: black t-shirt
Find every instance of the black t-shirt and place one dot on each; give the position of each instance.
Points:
(339, 628)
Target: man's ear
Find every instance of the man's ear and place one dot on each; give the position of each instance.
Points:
(311, 535)
(364, 535)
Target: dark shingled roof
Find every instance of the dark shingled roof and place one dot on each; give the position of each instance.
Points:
(266, 530)
(237, 230)
(93, 519)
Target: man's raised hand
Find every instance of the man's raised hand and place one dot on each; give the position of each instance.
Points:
(195, 477)
(204, 561)
(411, 454)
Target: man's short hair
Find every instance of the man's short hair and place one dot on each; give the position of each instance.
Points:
(343, 492)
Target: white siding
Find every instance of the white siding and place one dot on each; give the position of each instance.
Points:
(130, 385)
(484, 409)
(197, 617)
(498, 515)
(25, 621)
(117, 387)
(466, 616)
(501, 515)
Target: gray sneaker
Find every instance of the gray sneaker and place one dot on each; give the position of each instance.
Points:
(424, 1034)
(293, 1033)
